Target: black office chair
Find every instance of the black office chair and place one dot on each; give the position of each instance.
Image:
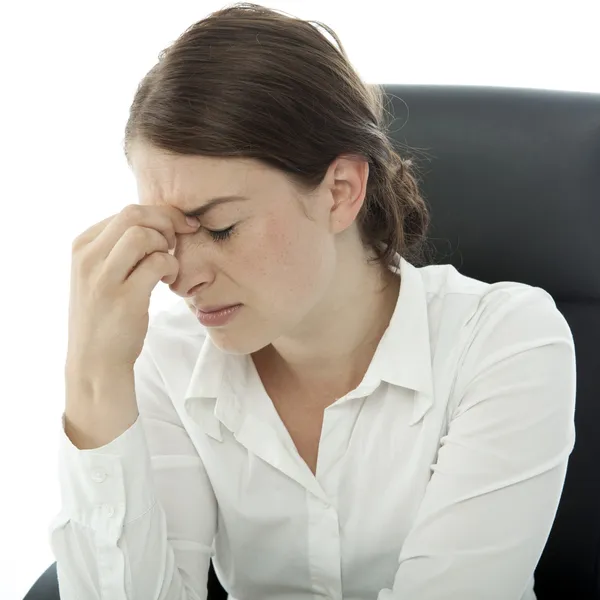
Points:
(513, 180)
(46, 587)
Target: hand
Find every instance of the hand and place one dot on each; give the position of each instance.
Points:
(115, 266)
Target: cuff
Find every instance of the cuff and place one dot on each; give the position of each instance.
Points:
(104, 488)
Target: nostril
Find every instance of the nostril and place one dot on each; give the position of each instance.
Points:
(196, 288)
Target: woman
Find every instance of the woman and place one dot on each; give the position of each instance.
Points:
(323, 414)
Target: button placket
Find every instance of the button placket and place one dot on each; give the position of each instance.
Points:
(324, 548)
(99, 475)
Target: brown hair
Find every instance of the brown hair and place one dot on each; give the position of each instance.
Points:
(248, 81)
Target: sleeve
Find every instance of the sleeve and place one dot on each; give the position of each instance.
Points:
(138, 515)
(494, 491)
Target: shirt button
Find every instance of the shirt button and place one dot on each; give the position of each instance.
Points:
(109, 510)
(98, 475)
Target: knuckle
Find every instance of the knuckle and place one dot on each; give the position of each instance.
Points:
(165, 242)
(158, 240)
(162, 259)
(76, 245)
(167, 229)
(165, 262)
(79, 243)
(170, 233)
(138, 234)
(148, 238)
(132, 213)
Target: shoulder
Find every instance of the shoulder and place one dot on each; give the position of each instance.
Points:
(481, 324)
(481, 305)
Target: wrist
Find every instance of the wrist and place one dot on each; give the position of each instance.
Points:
(97, 382)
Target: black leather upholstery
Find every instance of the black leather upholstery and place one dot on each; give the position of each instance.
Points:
(513, 182)
(46, 587)
(512, 177)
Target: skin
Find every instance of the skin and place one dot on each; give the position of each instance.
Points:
(313, 308)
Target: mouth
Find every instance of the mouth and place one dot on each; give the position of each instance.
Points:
(207, 310)
(217, 316)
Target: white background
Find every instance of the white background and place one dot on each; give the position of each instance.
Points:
(68, 72)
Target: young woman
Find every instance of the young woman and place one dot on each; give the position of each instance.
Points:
(323, 414)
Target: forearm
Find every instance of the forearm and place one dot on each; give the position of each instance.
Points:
(99, 406)
(110, 538)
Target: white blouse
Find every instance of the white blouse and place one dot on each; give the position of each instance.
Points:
(438, 477)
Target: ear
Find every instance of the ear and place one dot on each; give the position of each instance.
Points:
(348, 176)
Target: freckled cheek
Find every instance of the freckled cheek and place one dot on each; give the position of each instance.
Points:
(289, 245)
(277, 251)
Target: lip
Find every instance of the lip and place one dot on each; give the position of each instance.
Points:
(207, 310)
(219, 317)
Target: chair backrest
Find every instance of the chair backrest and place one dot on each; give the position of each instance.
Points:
(512, 177)
(46, 586)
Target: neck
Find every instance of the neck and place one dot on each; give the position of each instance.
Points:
(333, 347)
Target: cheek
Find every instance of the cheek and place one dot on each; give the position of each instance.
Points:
(287, 255)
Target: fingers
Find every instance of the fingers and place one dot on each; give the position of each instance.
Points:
(138, 238)
(167, 220)
(134, 245)
(152, 269)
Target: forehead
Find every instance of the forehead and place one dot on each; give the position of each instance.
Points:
(182, 180)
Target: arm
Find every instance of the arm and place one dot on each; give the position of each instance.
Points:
(491, 501)
(138, 513)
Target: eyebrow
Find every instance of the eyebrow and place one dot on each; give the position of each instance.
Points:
(198, 212)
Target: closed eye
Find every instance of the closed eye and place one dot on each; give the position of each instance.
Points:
(221, 234)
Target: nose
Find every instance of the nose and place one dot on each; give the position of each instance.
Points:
(195, 268)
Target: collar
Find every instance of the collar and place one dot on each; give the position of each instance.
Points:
(403, 358)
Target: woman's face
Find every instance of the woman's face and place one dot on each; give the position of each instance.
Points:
(276, 252)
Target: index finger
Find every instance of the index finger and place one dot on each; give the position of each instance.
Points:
(181, 222)
(167, 220)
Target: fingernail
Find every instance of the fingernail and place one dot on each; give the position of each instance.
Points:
(192, 221)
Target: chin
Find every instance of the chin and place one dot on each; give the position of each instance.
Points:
(228, 342)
